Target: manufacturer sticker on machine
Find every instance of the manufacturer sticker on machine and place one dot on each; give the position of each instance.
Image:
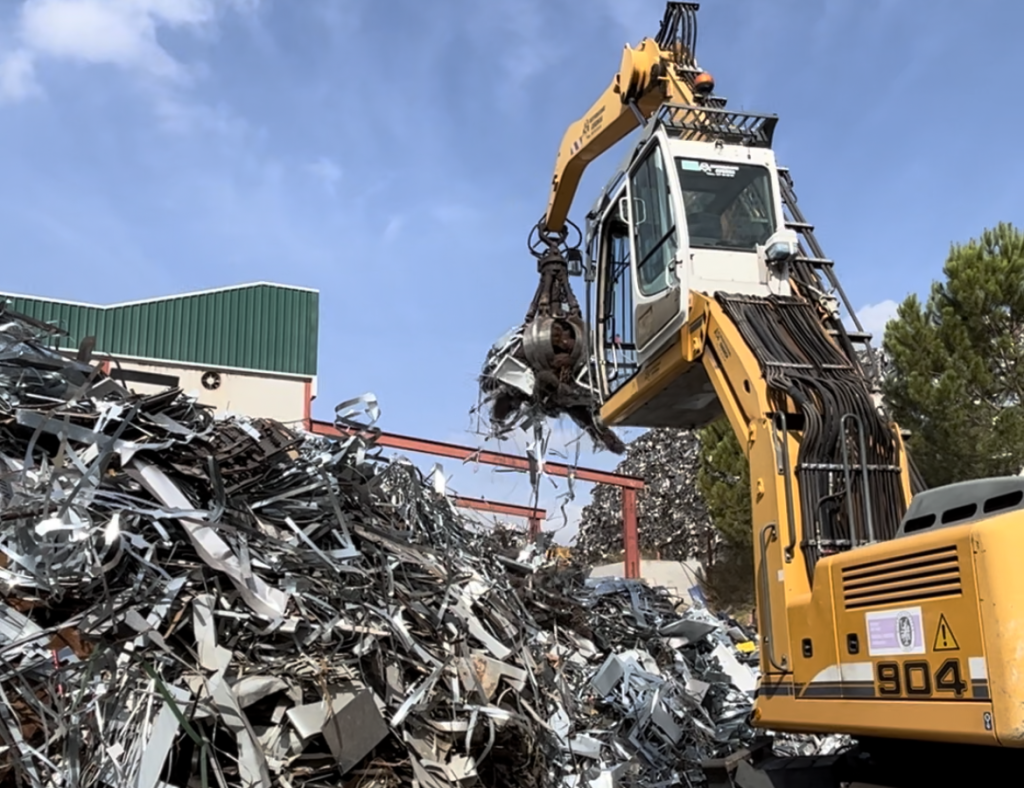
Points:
(895, 632)
(709, 168)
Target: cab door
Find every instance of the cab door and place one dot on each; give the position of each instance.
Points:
(611, 255)
(655, 235)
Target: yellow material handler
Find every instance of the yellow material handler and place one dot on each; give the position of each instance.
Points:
(887, 611)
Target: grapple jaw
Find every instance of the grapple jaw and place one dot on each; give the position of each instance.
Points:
(541, 369)
(556, 344)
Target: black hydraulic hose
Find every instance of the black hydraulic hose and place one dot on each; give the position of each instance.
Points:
(800, 362)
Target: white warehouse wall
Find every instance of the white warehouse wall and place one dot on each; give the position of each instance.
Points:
(255, 394)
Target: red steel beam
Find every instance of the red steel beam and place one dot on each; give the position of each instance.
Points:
(466, 453)
(534, 517)
(511, 509)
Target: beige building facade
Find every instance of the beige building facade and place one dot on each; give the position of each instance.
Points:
(285, 398)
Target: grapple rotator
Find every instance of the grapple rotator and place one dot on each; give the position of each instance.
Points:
(554, 333)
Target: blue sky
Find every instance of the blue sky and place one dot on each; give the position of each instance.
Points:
(394, 154)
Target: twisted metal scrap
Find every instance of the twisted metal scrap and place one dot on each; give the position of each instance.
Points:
(187, 600)
(514, 399)
(672, 518)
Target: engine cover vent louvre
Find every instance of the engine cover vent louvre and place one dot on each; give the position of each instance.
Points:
(897, 581)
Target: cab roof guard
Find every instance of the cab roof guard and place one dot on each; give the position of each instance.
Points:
(712, 124)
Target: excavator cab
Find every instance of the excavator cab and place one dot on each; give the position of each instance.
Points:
(696, 206)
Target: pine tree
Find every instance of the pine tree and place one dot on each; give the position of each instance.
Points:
(723, 478)
(955, 377)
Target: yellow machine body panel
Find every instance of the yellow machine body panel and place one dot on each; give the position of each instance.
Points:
(891, 643)
(916, 638)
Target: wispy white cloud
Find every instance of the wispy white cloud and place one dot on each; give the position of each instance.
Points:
(526, 44)
(633, 18)
(393, 228)
(118, 33)
(455, 213)
(175, 113)
(875, 316)
(341, 19)
(17, 77)
(327, 172)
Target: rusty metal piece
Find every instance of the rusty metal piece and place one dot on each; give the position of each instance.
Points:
(245, 455)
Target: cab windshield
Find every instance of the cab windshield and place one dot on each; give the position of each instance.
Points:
(728, 206)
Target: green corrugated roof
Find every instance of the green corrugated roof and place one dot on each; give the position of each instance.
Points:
(259, 326)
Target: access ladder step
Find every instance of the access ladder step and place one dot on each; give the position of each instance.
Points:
(854, 336)
(817, 262)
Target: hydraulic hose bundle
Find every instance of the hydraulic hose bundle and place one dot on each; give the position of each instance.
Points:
(847, 465)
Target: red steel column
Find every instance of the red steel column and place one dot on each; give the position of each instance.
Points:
(534, 530)
(630, 536)
(307, 405)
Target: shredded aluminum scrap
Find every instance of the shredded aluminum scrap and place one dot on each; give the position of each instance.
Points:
(672, 518)
(194, 601)
(517, 396)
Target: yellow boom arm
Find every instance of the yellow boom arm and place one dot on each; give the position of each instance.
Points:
(644, 82)
(657, 71)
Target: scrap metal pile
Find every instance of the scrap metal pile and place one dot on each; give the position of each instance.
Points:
(673, 520)
(192, 601)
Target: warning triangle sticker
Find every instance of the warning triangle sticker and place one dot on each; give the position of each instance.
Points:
(945, 640)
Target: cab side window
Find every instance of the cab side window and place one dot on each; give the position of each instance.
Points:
(654, 224)
(617, 302)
